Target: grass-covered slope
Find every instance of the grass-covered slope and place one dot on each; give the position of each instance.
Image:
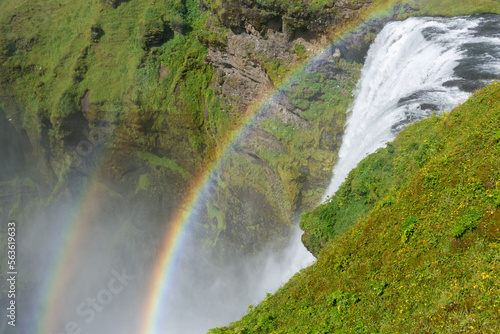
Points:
(426, 258)
(111, 61)
(366, 185)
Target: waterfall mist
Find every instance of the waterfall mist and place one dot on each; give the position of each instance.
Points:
(225, 291)
(91, 297)
(87, 260)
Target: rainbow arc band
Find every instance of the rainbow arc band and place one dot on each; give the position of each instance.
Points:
(68, 242)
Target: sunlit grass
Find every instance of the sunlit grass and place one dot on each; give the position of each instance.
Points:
(441, 277)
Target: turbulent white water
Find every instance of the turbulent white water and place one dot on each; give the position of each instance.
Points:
(413, 68)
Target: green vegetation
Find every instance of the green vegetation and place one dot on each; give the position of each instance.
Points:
(454, 8)
(155, 160)
(425, 256)
(300, 50)
(276, 71)
(309, 138)
(367, 185)
(245, 190)
(54, 52)
(143, 183)
(448, 8)
(139, 71)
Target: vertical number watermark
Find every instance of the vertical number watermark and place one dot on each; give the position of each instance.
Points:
(11, 273)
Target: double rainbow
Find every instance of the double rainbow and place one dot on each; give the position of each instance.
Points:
(175, 234)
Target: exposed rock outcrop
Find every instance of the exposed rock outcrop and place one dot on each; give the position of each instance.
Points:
(259, 44)
(242, 78)
(285, 17)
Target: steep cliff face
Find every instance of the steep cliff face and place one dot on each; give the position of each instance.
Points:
(146, 93)
(289, 17)
(266, 38)
(287, 154)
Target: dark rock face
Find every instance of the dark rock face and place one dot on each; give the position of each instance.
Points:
(241, 75)
(13, 146)
(287, 18)
(115, 3)
(96, 32)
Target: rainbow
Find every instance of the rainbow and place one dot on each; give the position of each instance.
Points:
(174, 236)
(161, 278)
(69, 239)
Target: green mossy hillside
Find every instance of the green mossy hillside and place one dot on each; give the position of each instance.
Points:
(114, 92)
(117, 61)
(365, 186)
(426, 257)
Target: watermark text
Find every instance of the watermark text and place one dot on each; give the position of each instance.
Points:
(11, 273)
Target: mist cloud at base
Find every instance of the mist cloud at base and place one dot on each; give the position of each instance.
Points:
(118, 240)
(201, 296)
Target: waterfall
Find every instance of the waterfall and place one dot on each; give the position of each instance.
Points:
(413, 68)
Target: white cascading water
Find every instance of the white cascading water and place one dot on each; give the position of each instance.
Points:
(413, 68)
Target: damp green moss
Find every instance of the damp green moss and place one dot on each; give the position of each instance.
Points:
(156, 161)
(143, 183)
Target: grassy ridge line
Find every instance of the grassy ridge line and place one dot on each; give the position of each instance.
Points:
(426, 261)
(452, 8)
